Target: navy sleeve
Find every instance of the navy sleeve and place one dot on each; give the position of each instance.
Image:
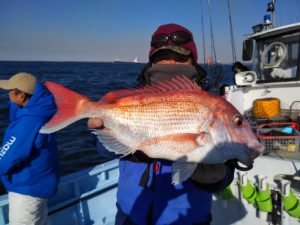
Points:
(17, 143)
(220, 185)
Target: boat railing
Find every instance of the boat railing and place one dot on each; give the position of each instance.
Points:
(79, 191)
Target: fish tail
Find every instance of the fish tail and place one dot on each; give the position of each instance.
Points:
(70, 107)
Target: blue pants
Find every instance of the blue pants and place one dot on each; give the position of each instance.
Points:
(159, 202)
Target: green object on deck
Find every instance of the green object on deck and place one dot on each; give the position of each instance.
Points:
(291, 205)
(249, 192)
(264, 200)
(227, 194)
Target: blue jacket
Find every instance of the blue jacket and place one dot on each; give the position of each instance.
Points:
(155, 200)
(29, 162)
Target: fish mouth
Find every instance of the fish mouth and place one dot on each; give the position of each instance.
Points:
(251, 152)
(256, 150)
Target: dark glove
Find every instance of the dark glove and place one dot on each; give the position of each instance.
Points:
(209, 173)
(213, 177)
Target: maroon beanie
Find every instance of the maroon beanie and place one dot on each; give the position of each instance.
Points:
(169, 29)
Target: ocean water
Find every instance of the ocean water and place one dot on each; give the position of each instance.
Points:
(93, 80)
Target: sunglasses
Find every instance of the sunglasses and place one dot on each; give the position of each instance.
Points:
(178, 38)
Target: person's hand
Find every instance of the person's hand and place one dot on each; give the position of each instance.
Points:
(209, 173)
(94, 123)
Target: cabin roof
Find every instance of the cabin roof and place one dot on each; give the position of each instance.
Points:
(276, 31)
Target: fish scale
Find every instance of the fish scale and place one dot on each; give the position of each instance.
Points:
(179, 122)
(170, 122)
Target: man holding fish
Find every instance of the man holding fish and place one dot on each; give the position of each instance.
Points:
(175, 139)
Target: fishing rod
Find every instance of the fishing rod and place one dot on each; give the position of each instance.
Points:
(231, 33)
(212, 40)
(203, 40)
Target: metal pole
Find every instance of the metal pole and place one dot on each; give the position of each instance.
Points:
(213, 50)
(231, 34)
(273, 14)
(203, 40)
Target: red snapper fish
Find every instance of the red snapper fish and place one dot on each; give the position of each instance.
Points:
(174, 120)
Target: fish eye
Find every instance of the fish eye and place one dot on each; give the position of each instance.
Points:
(238, 120)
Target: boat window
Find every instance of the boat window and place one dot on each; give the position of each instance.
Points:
(276, 59)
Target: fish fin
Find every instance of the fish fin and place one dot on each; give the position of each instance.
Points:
(182, 170)
(180, 82)
(108, 140)
(115, 95)
(203, 139)
(69, 107)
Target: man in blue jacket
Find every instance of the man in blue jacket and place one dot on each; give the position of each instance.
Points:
(146, 194)
(29, 163)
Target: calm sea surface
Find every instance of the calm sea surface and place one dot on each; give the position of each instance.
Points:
(91, 79)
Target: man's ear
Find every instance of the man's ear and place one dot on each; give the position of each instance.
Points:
(23, 96)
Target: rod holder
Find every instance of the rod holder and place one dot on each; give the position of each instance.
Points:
(263, 199)
(248, 190)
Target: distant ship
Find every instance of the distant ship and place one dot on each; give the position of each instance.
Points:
(136, 60)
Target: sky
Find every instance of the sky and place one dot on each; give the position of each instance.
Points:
(104, 30)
